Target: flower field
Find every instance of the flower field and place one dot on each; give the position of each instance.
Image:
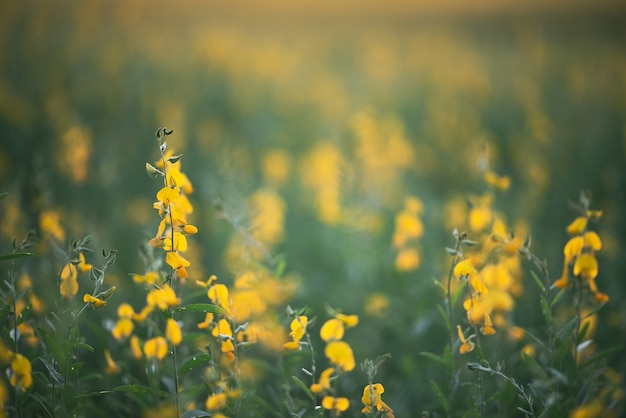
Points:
(292, 211)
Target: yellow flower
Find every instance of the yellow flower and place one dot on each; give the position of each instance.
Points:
(111, 368)
(586, 266)
(577, 226)
(135, 348)
(163, 298)
(467, 345)
(323, 382)
(408, 259)
(173, 332)
(178, 263)
(464, 268)
(592, 409)
(332, 330)
(487, 328)
(218, 294)
(372, 397)
(95, 302)
(21, 377)
(216, 402)
(337, 405)
(340, 354)
(82, 265)
(69, 284)
(155, 348)
(150, 278)
(348, 320)
(298, 327)
(592, 240)
(497, 182)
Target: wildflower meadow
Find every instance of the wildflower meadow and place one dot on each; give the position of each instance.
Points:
(312, 209)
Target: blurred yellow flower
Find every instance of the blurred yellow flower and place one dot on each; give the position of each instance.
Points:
(95, 302)
(112, 367)
(172, 332)
(69, 283)
(467, 345)
(332, 330)
(216, 401)
(336, 405)
(324, 381)
(577, 226)
(155, 348)
(21, 378)
(340, 354)
(372, 397)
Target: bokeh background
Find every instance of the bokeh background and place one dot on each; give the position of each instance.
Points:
(324, 116)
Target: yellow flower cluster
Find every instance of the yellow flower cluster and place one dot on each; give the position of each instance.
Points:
(174, 207)
(338, 352)
(580, 255)
(408, 229)
(69, 276)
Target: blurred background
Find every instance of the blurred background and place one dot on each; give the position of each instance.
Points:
(324, 116)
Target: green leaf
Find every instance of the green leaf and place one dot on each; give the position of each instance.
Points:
(599, 356)
(24, 314)
(444, 314)
(194, 362)
(4, 257)
(93, 394)
(567, 328)
(175, 158)
(200, 307)
(558, 297)
(195, 414)
(56, 376)
(440, 396)
(435, 357)
(459, 292)
(538, 281)
(85, 346)
(303, 386)
(545, 308)
(141, 389)
(4, 313)
(153, 171)
(537, 369)
(3, 195)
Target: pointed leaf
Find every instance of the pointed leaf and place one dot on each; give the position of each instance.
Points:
(542, 287)
(545, 308)
(195, 413)
(200, 307)
(141, 389)
(4, 257)
(153, 171)
(194, 362)
(459, 292)
(303, 386)
(444, 314)
(56, 376)
(442, 399)
(174, 159)
(3, 195)
(434, 357)
(24, 314)
(86, 347)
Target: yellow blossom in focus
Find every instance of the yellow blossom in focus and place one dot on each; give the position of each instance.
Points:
(464, 268)
(372, 397)
(95, 302)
